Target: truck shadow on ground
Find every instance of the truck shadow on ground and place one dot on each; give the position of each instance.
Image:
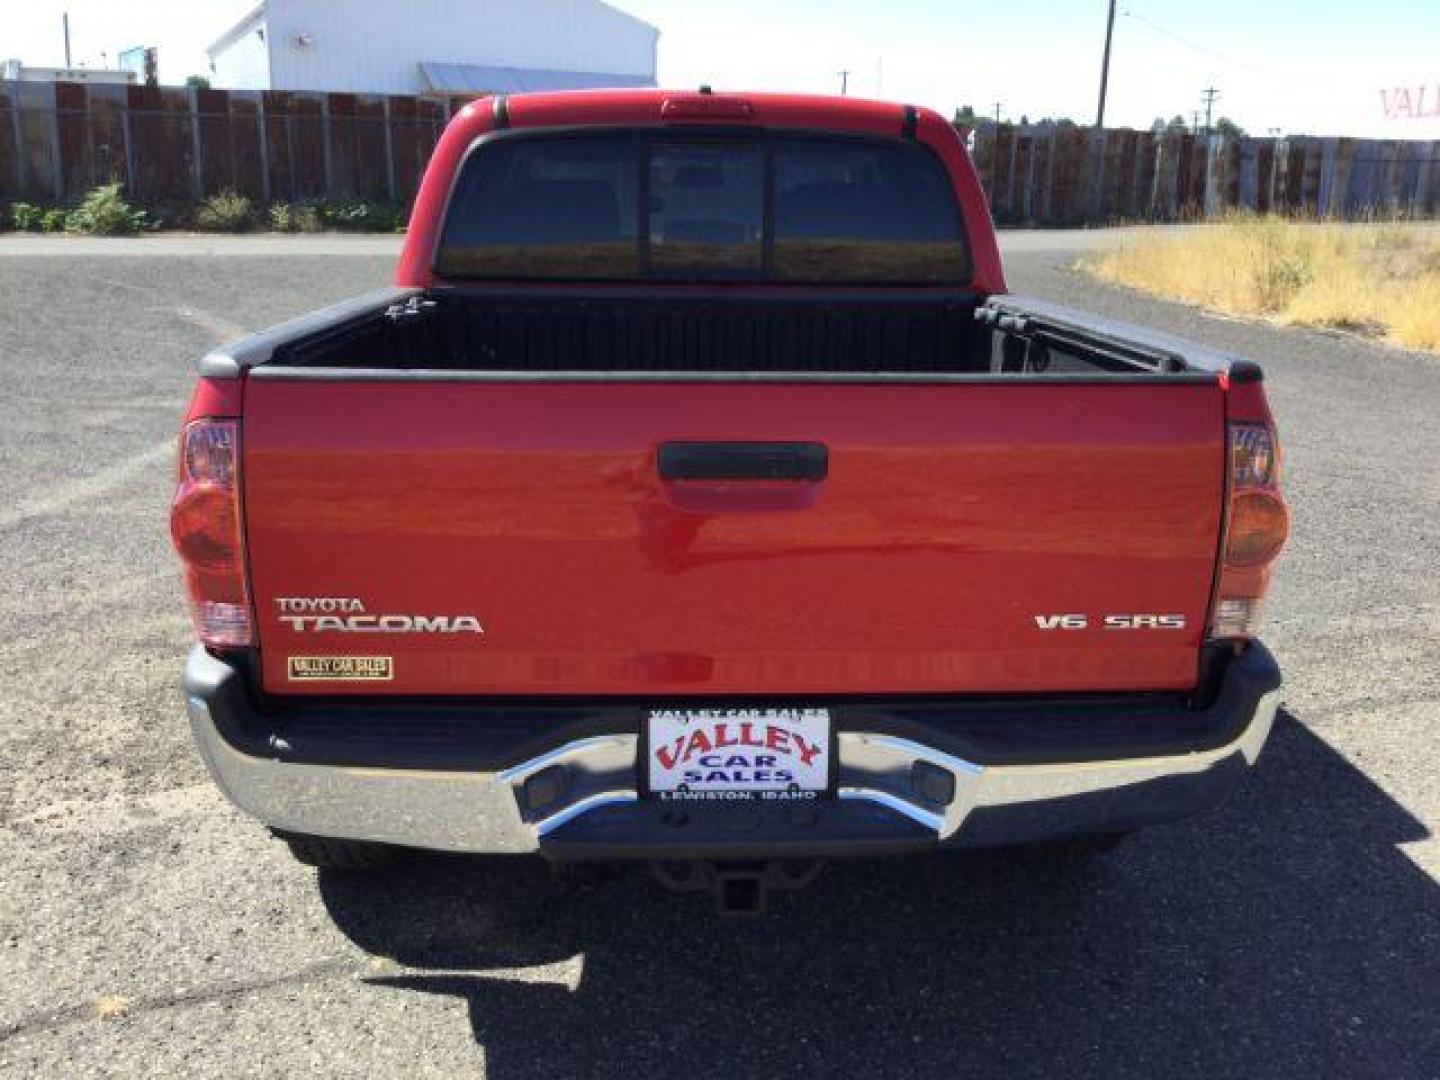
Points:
(1283, 935)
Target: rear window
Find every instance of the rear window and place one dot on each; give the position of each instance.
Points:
(545, 208)
(625, 207)
(707, 209)
(864, 212)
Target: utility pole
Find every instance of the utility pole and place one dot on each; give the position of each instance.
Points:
(1105, 67)
(65, 22)
(1209, 94)
(1195, 121)
(844, 80)
(997, 114)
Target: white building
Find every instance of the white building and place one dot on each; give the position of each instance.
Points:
(15, 71)
(437, 47)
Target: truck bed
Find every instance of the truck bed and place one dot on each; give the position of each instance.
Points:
(595, 331)
(695, 333)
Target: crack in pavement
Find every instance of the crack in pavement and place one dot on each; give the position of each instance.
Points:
(221, 329)
(87, 488)
(53, 1019)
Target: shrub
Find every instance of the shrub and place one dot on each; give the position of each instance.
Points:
(308, 219)
(1381, 280)
(346, 215)
(360, 215)
(103, 212)
(27, 217)
(227, 211)
(295, 217)
(1415, 315)
(282, 217)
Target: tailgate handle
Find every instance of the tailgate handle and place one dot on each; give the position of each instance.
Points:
(743, 461)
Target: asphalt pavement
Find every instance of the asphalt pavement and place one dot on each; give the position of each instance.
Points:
(147, 928)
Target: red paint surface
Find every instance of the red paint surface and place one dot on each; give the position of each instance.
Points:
(1245, 403)
(951, 517)
(644, 108)
(218, 398)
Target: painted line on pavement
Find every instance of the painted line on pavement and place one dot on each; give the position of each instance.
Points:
(87, 488)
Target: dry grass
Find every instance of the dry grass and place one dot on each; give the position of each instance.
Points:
(1382, 280)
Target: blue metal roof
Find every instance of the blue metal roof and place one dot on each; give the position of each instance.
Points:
(443, 78)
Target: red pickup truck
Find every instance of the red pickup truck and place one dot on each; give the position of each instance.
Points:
(699, 495)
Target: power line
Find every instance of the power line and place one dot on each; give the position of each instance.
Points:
(1273, 73)
(1131, 14)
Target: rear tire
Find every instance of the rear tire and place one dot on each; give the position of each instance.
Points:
(349, 856)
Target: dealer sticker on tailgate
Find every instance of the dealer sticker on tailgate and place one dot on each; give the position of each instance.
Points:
(340, 668)
(738, 753)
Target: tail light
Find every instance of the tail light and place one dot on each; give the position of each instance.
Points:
(205, 527)
(706, 106)
(1257, 523)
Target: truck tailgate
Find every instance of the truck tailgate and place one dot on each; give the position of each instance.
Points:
(957, 533)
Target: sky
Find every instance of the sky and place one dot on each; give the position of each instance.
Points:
(1316, 67)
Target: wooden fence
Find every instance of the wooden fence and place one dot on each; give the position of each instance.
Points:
(1068, 175)
(174, 145)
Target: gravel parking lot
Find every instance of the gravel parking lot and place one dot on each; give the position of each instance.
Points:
(147, 928)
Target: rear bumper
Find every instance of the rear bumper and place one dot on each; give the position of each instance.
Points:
(576, 799)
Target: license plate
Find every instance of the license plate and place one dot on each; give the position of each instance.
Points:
(719, 754)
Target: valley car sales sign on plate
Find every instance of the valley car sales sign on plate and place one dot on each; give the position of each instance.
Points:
(717, 754)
